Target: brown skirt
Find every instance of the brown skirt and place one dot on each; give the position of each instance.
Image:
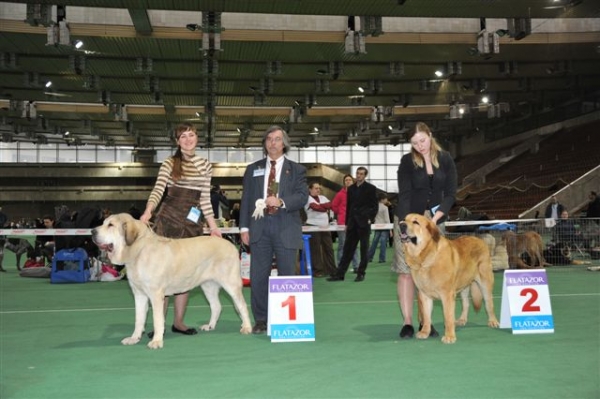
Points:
(171, 220)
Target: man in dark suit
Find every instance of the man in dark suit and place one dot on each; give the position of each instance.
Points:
(360, 212)
(270, 218)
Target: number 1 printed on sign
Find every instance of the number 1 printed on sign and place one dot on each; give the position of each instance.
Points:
(291, 302)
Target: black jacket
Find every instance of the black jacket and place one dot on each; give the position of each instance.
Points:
(362, 205)
(415, 192)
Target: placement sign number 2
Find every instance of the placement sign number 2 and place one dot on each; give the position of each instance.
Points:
(529, 306)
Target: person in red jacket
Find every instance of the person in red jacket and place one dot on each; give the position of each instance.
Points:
(338, 206)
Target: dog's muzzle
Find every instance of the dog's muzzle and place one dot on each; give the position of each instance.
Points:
(104, 247)
(404, 237)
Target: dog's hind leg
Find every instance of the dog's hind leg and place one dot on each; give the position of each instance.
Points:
(18, 255)
(2, 260)
(486, 284)
(464, 314)
(240, 305)
(211, 291)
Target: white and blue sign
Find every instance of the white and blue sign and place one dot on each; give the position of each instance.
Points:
(291, 314)
(526, 302)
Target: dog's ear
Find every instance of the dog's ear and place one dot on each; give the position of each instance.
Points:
(434, 231)
(130, 231)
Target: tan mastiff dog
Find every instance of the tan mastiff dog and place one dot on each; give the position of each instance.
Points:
(159, 266)
(441, 267)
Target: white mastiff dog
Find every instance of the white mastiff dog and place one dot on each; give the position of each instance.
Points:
(159, 266)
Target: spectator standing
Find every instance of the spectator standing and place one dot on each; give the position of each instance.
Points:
(218, 199)
(185, 177)
(427, 184)
(380, 237)
(360, 212)
(275, 191)
(235, 213)
(321, 245)
(554, 209)
(593, 209)
(3, 218)
(338, 206)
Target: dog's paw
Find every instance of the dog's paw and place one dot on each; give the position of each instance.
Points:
(130, 340)
(155, 344)
(207, 327)
(422, 335)
(461, 322)
(246, 330)
(493, 324)
(448, 339)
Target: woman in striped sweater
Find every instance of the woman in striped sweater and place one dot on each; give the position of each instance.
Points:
(184, 178)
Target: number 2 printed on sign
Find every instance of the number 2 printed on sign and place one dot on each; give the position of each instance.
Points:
(529, 306)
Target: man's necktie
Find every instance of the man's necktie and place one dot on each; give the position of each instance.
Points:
(271, 187)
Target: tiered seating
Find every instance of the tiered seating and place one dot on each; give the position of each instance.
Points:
(470, 163)
(529, 178)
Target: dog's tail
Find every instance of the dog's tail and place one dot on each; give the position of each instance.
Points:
(477, 296)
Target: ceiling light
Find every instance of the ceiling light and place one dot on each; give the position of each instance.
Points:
(49, 83)
(439, 73)
(315, 130)
(198, 114)
(360, 89)
(78, 44)
(485, 99)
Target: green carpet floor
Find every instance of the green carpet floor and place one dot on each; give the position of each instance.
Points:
(63, 341)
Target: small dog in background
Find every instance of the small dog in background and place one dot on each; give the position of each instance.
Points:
(19, 246)
(528, 242)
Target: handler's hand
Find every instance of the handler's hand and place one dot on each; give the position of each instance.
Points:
(245, 236)
(146, 217)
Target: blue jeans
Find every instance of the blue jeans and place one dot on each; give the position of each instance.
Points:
(380, 238)
(340, 250)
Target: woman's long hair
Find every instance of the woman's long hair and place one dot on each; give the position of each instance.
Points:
(177, 170)
(433, 151)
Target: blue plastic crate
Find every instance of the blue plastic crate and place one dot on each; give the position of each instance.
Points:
(70, 266)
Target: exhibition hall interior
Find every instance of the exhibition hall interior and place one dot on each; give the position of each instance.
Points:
(92, 93)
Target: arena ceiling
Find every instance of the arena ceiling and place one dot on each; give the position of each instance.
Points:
(235, 67)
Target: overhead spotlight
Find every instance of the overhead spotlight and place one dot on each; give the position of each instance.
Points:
(66, 134)
(193, 27)
(361, 90)
(314, 131)
(485, 99)
(439, 73)
(78, 44)
(48, 83)
(197, 114)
